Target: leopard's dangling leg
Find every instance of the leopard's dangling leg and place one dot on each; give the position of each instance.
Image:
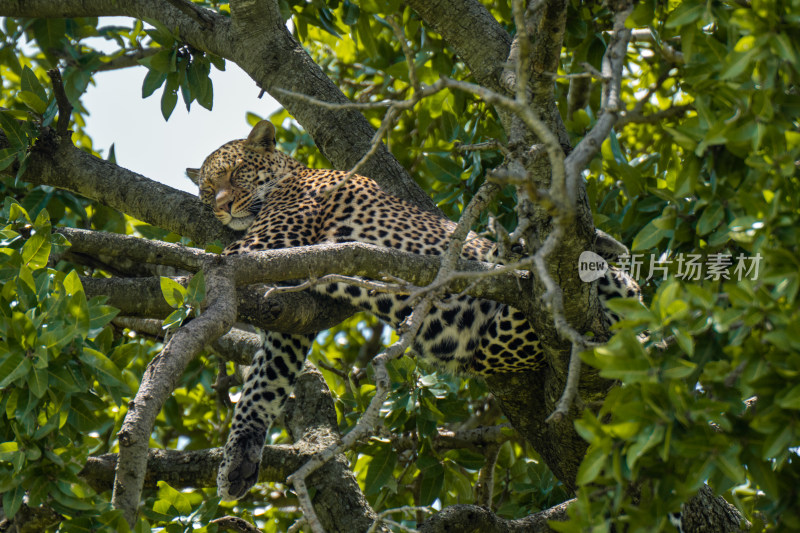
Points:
(268, 383)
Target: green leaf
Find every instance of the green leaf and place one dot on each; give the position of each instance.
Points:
(740, 62)
(196, 290)
(7, 156)
(105, 370)
(36, 251)
(7, 447)
(30, 83)
(30, 99)
(444, 168)
(730, 464)
(78, 308)
(178, 500)
(38, 381)
(685, 13)
(431, 484)
(13, 130)
(791, 400)
(49, 33)
(169, 98)
(591, 466)
(711, 218)
(616, 149)
(63, 381)
(776, 443)
(175, 318)
(380, 468)
(366, 35)
(81, 417)
(12, 500)
(72, 283)
(14, 366)
(351, 13)
(162, 61)
(152, 81)
(648, 237)
(174, 293)
(684, 340)
(49, 113)
(100, 315)
(645, 440)
(160, 34)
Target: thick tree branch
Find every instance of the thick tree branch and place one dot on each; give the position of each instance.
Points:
(353, 259)
(275, 60)
(301, 312)
(474, 518)
(158, 382)
(473, 33)
(66, 167)
(256, 38)
(549, 23)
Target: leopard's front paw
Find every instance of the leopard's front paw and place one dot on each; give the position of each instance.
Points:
(240, 465)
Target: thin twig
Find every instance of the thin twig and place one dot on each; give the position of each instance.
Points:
(294, 528)
(571, 387)
(400, 36)
(376, 286)
(666, 49)
(491, 144)
(127, 60)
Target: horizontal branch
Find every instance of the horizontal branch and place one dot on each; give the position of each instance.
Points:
(193, 469)
(351, 259)
(467, 438)
(237, 345)
(63, 166)
(270, 55)
(474, 518)
(285, 312)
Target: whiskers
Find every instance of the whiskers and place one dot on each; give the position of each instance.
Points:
(255, 206)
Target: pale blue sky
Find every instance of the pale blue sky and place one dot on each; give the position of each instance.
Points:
(161, 150)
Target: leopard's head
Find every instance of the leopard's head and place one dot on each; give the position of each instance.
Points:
(234, 179)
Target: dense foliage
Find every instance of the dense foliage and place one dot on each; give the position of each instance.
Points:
(704, 166)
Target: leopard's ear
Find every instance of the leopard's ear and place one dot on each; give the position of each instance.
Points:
(194, 175)
(261, 138)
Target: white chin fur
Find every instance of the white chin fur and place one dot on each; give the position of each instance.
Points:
(240, 223)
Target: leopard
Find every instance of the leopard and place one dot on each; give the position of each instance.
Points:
(278, 202)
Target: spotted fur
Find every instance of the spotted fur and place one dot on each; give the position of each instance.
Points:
(281, 203)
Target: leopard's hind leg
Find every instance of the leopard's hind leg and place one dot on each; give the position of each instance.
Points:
(270, 380)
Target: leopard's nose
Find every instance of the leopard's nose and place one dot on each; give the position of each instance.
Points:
(224, 199)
